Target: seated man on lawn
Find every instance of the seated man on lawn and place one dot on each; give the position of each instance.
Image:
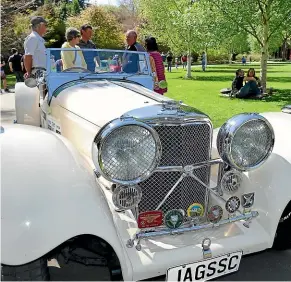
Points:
(251, 89)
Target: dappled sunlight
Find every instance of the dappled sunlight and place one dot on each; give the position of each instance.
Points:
(203, 89)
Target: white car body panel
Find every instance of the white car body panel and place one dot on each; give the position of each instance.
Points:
(79, 116)
(27, 104)
(46, 199)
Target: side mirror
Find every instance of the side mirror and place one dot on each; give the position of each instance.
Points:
(37, 77)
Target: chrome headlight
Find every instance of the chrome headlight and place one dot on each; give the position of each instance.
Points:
(245, 141)
(126, 151)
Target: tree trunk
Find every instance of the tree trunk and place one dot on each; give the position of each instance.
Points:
(188, 75)
(265, 55)
(284, 50)
(230, 58)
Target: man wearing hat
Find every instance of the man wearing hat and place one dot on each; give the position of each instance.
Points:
(35, 54)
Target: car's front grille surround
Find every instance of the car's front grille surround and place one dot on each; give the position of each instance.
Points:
(182, 144)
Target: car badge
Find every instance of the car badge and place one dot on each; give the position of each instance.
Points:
(206, 248)
(195, 209)
(247, 200)
(150, 219)
(232, 204)
(215, 213)
(174, 219)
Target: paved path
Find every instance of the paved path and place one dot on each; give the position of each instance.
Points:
(268, 266)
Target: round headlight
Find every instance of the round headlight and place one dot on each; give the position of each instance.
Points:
(126, 197)
(245, 141)
(126, 152)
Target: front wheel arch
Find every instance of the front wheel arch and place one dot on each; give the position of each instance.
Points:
(282, 240)
(37, 270)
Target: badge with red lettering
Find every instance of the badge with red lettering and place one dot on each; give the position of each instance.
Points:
(150, 219)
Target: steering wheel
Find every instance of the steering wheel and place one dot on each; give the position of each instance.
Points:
(77, 68)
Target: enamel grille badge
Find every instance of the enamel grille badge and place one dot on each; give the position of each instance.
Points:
(195, 210)
(174, 219)
(150, 219)
(215, 213)
(247, 200)
(232, 204)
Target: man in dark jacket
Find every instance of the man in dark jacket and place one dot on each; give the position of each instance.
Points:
(131, 61)
(15, 65)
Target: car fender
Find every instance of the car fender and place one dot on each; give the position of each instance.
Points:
(49, 195)
(27, 104)
(271, 181)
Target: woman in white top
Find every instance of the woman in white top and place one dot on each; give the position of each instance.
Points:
(72, 58)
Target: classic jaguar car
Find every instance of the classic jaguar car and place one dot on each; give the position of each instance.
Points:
(100, 170)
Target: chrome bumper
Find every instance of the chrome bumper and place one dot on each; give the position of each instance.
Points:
(247, 217)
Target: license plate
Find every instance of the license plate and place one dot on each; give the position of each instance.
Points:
(206, 269)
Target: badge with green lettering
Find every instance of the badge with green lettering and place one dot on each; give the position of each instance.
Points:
(174, 219)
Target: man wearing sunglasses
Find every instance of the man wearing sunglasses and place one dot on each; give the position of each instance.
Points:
(35, 52)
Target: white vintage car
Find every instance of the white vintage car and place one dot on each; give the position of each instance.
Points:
(105, 172)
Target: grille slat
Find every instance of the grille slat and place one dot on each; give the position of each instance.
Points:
(182, 145)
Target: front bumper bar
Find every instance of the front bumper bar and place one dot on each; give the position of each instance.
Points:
(247, 217)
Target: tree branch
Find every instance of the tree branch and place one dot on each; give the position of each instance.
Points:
(285, 17)
(252, 32)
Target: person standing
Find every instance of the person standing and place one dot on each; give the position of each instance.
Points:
(34, 46)
(132, 44)
(169, 61)
(3, 76)
(15, 65)
(131, 61)
(184, 61)
(86, 43)
(156, 65)
(72, 59)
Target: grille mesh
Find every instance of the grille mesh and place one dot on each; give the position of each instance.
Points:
(181, 145)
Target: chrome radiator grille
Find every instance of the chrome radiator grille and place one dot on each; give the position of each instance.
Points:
(182, 145)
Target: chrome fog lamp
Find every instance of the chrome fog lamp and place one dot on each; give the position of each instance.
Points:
(126, 197)
(126, 152)
(245, 141)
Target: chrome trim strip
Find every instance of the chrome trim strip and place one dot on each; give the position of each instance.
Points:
(245, 216)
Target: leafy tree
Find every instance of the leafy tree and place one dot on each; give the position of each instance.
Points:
(108, 32)
(262, 19)
(178, 23)
(75, 8)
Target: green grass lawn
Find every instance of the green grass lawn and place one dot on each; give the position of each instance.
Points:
(202, 91)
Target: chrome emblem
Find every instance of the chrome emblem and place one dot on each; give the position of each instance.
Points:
(195, 210)
(231, 181)
(247, 200)
(215, 213)
(232, 204)
(174, 219)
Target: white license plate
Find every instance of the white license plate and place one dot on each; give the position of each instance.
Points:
(206, 269)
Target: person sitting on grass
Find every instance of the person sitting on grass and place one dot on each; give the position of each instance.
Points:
(251, 89)
(237, 83)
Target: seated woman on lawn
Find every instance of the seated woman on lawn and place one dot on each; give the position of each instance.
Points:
(251, 89)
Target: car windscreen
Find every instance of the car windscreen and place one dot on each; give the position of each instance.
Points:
(75, 60)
